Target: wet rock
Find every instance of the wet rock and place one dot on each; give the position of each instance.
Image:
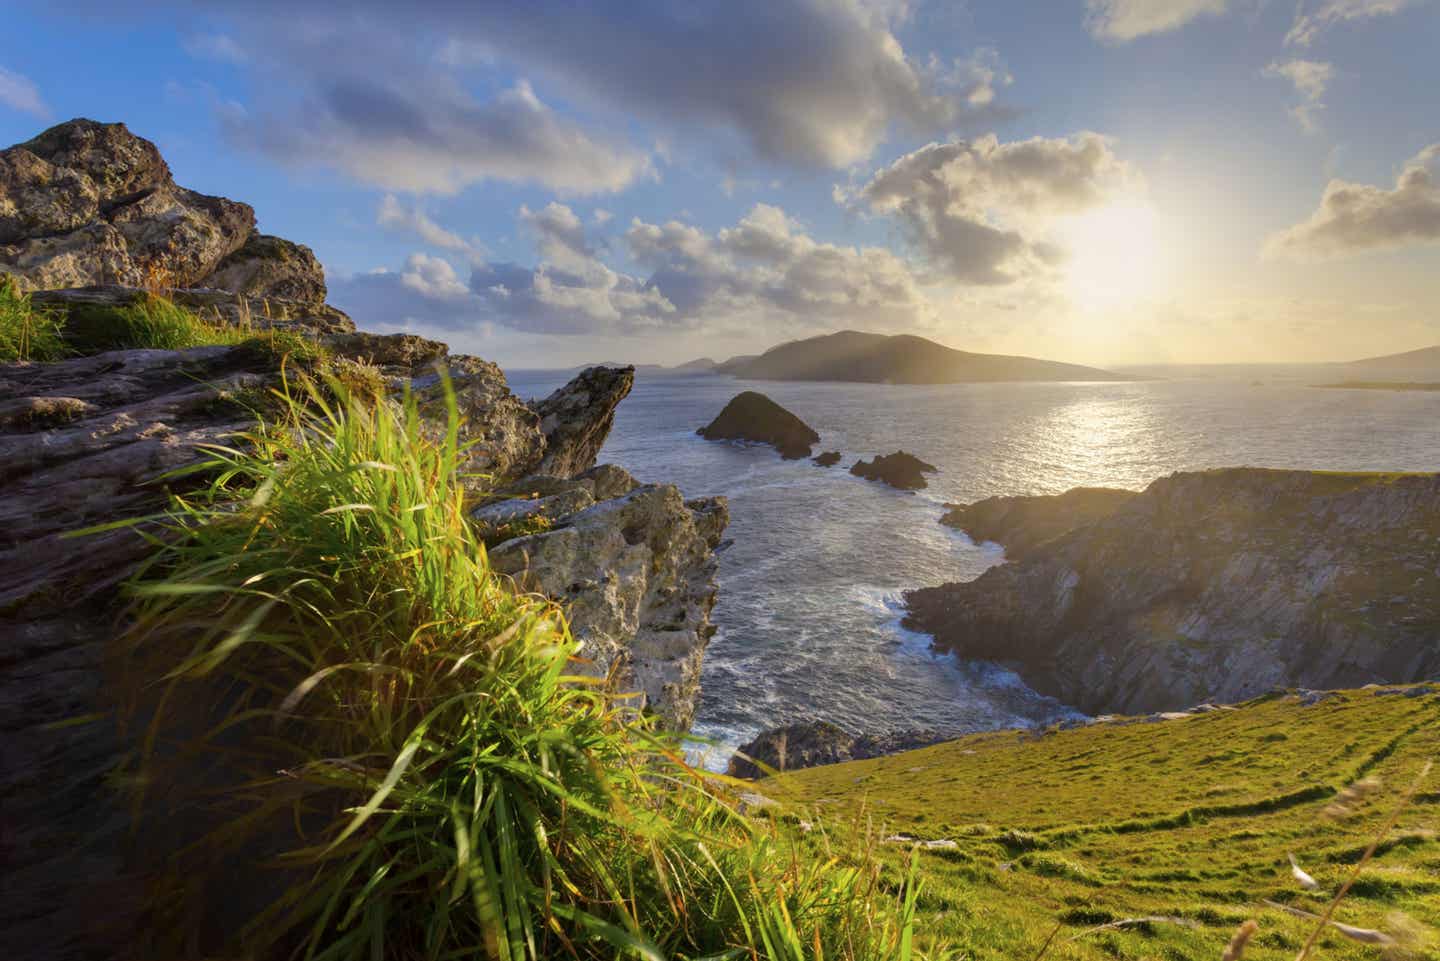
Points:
(899, 470)
(752, 416)
(813, 743)
(828, 459)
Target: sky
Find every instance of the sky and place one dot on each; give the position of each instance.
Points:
(553, 182)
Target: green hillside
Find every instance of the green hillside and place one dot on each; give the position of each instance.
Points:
(1190, 818)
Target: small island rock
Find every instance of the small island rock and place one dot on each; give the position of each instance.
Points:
(753, 416)
(828, 459)
(902, 470)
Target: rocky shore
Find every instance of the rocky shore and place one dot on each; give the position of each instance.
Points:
(90, 208)
(1211, 586)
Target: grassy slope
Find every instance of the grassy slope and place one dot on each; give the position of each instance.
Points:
(1191, 817)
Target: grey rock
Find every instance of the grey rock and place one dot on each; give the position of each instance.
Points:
(268, 267)
(577, 418)
(814, 743)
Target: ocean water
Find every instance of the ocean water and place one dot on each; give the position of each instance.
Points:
(810, 586)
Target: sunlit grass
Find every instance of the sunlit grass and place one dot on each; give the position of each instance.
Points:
(27, 332)
(333, 682)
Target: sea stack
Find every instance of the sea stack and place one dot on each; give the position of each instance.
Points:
(754, 417)
(901, 470)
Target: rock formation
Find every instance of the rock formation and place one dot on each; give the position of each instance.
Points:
(754, 417)
(1210, 586)
(828, 459)
(813, 743)
(88, 203)
(901, 470)
(1022, 523)
(86, 440)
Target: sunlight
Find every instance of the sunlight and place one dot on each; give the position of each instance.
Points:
(1117, 257)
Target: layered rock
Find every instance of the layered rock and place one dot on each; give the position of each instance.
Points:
(813, 743)
(900, 470)
(752, 416)
(1211, 586)
(89, 203)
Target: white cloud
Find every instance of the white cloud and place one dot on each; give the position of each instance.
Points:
(1358, 217)
(1124, 20)
(1327, 13)
(214, 46)
(19, 92)
(424, 134)
(1310, 78)
(978, 211)
(394, 215)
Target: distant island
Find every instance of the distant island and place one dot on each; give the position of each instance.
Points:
(1409, 360)
(899, 359)
(1381, 385)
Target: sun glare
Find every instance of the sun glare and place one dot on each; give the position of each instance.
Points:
(1116, 256)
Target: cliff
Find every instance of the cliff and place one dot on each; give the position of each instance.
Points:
(95, 438)
(902, 359)
(1210, 586)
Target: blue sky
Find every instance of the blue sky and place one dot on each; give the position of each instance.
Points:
(1105, 181)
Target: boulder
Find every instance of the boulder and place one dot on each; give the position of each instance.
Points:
(813, 743)
(267, 267)
(901, 470)
(752, 416)
(828, 459)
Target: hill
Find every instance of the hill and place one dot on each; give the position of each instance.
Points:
(899, 359)
(1426, 358)
(1190, 818)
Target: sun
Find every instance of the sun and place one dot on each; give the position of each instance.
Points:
(1117, 255)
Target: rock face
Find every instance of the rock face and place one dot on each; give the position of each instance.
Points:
(902, 470)
(89, 203)
(1023, 523)
(813, 743)
(1211, 586)
(754, 417)
(84, 441)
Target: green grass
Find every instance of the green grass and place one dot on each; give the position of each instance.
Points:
(359, 742)
(1190, 819)
(152, 322)
(27, 333)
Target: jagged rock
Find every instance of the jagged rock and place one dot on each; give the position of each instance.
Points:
(828, 459)
(813, 743)
(271, 267)
(636, 575)
(1214, 586)
(901, 470)
(754, 417)
(1022, 523)
(224, 307)
(577, 418)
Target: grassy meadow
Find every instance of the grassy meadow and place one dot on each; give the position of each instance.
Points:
(1190, 820)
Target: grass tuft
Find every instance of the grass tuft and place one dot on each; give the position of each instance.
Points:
(27, 332)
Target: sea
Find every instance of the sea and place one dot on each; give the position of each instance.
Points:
(811, 581)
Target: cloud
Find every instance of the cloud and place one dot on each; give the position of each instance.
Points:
(416, 133)
(214, 46)
(1124, 20)
(19, 92)
(763, 273)
(1327, 13)
(394, 215)
(978, 211)
(1310, 79)
(1353, 218)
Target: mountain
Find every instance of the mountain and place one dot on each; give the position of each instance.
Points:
(699, 363)
(900, 359)
(1424, 358)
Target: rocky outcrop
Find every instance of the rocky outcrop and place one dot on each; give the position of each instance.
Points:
(828, 459)
(751, 416)
(1213, 586)
(1023, 523)
(813, 743)
(89, 203)
(577, 418)
(221, 307)
(636, 575)
(901, 470)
